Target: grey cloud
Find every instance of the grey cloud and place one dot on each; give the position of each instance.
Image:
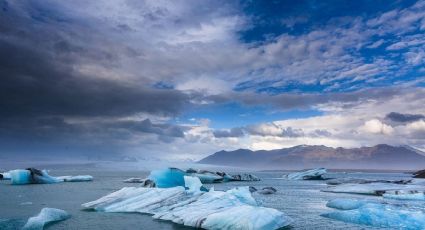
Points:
(234, 132)
(400, 117)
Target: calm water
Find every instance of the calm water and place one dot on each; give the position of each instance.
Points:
(301, 200)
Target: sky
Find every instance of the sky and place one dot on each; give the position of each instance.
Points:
(179, 80)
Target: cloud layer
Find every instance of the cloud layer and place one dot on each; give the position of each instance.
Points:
(129, 77)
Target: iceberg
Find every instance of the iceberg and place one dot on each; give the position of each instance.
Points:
(232, 209)
(79, 178)
(46, 216)
(172, 177)
(312, 174)
(377, 214)
(167, 178)
(35, 176)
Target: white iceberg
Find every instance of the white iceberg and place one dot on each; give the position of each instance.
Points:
(79, 178)
(46, 216)
(377, 189)
(377, 214)
(233, 209)
(312, 174)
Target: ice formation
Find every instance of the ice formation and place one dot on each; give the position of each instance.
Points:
(312, 174)
(405, 195)
(79, 178)
(172, 177)
(35, 176)
(232, 209)
(267, 190)
(46, 216)
(377, 189)
(345, 180)
(377, 214)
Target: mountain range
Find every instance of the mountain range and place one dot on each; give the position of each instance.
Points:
(381, 156)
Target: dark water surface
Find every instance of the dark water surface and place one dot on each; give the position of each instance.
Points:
(301, 200)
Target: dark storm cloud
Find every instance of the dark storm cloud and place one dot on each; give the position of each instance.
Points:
(307, 100)
(404, 117)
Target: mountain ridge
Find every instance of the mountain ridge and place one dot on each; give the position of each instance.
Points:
(381, 156)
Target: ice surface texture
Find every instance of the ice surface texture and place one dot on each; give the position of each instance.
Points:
(377, 214)
(233, 209)
(312, 174)
(46, 216)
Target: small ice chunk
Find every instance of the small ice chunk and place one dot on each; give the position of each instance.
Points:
(312, 174)
(405, 195)
(47, 215)
(267, 191)
(26, 203)
(379, 215)
(79, 178)
(134, 180)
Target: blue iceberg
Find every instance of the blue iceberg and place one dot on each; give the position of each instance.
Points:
(35, 176)
(232, 209)
(167, 178)
(46, 216)
(377, 214)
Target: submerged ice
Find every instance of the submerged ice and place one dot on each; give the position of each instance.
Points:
(232, 209)
(377, 214)
(46, 216)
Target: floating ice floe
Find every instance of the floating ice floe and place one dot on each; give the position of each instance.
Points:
(35, 176)
(232, 209)
(171, 177)
(79, 178)
(405, 195)
(312, 174)
(377, 189)
(46, 216)
(267, 191)
(377, 214)
(348, 180)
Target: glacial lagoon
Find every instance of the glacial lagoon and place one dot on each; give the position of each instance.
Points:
(301, 200)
